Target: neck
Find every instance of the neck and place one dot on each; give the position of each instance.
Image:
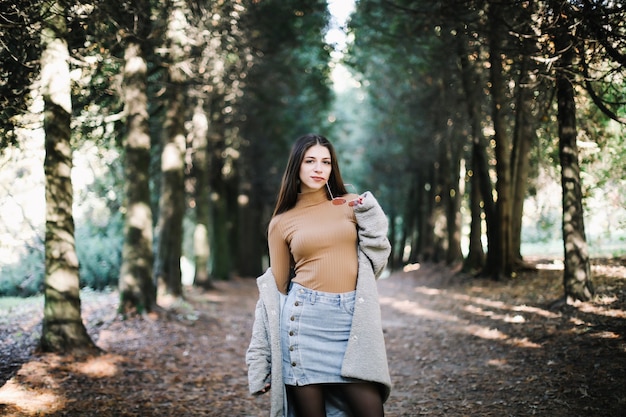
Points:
(312, 197)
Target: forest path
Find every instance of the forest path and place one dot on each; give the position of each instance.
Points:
(456, 346)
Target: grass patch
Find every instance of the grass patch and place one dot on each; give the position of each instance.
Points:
(9, 303)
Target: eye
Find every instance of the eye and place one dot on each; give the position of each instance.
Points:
(327, 162)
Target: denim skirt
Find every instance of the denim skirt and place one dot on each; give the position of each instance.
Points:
(315, 327)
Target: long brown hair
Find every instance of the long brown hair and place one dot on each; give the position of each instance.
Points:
(290, 185)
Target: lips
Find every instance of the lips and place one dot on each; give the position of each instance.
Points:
(318, 178)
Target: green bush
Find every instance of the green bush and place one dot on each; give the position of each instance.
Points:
(99, 250)
(24, 278)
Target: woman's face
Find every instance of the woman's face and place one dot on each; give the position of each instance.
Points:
(315, 168)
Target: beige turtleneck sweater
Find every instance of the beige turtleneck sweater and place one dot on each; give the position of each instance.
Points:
(322, 240)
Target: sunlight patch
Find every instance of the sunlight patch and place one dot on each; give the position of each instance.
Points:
(535, 310)
(479, 300)
(518, 318)
(35, 402)
(99, 366)
(606, 335)
(428, 291)
(503, 306)
(411, 267)
(590, 308)
(555, 265)
(411, 307)
(486, 333)
(524, 342)
(500, 363)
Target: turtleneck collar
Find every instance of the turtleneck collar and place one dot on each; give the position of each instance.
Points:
(312, 198)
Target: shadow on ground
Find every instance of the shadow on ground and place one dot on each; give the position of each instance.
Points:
(457, 346)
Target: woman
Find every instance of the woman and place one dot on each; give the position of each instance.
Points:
(317, 338)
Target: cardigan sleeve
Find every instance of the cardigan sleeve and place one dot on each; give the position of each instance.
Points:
(372, 232)
(258, 355)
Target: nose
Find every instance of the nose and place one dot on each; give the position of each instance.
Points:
(318, 167)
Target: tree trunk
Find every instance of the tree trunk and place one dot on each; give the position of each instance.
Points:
(577, 272)
(172, 199)
(250, 242)
(426, 218)
(201, 246)
(502, 243)
(520, 157)
(452, 199)
(63, 329)
(525, 128)
(223, 212)
(137, 290)
(407, 228)
(413, 221)
(476, 254)
(478, 170)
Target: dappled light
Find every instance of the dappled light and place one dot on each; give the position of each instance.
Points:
(30, 402)
(594, 309)
(142, 145)
(502, 306)
(37, 388)
(410, 307)
(498, 348)
(99, 366)
(457, 346)
(486, 333)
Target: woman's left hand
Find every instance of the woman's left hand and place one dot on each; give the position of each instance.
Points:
(356, 202)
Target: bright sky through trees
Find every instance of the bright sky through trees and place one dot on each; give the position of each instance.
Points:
(340, 11)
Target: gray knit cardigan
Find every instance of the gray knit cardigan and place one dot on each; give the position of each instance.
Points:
(365, 356)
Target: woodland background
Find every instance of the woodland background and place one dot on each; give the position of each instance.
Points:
(143, 141)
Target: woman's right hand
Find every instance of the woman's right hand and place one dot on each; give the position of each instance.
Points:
(264, 390)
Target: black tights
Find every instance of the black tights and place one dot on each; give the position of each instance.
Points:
(363, 399)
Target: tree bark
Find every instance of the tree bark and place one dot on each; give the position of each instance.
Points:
(452, 198)
(172, 199)
(63, 329)
(520, 157)
(476, 253)
(477, 167)
(200, 157)
(526, 121)
(137, 290)
(502, 266)
(426, 217)
(224, 213)
(577, 270)
(250, 242)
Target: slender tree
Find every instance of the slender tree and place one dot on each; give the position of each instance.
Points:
(137, 290)
(501, 249)
(201, 201)
(63, 329)
(577, 271)
(172, 199)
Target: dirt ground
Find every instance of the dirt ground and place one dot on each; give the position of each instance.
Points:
(457, 346)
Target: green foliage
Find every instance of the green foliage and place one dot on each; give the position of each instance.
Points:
(19, 63)
(24, 277)
(99, 252)
(287, 91)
